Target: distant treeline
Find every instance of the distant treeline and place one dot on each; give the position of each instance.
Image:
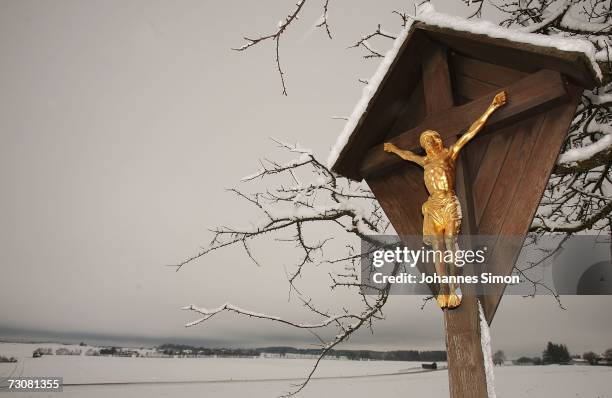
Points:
(409, 355)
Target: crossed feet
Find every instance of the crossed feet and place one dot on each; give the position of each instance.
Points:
(449, 301)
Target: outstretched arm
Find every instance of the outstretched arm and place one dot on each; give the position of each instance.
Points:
(406, 155)
(498, 101)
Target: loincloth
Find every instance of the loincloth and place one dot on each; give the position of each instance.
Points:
(440, 213)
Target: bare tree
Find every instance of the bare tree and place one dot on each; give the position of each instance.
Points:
(499, 358)
(608, 355)
(578, 197)
(591, 357)
(345, 206)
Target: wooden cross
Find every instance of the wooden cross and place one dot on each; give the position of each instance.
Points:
(501, 175)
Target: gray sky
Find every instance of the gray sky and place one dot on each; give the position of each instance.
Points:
(121, 124)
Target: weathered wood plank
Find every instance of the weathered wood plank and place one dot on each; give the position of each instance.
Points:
(489, 169)
(532, 94)
(514, 55)
(475, 154)
(508, 180)
(401, 194)
(465, 196)
(552, 133)
(474, 78)
(463, 340)
(471, 89)
(412, 114)
(485, 72)
(436, 79)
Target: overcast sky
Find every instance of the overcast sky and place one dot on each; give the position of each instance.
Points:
(121, 125)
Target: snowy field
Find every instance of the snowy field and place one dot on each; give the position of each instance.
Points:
(229, 377)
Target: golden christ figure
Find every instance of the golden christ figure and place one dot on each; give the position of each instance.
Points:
(442, 211)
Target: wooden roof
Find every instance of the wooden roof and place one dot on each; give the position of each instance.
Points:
(390, 108)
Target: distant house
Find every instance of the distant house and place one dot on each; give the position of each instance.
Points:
(187, 353)
(271, 355)
(291, 355)
(127, 353)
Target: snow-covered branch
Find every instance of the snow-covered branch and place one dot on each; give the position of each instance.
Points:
(286, 210)
(575, 199)
(227, 307)
(588, 19)
(283, 25)
(364, 42)
(323, 21)
(476, 11)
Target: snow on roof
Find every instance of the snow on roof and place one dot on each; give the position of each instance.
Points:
(366, 96)
(431, 17)
(427, 14)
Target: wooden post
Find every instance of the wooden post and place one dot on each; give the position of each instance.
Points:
(466, 373)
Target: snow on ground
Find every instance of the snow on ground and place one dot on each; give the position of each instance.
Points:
(234, 377)
(78, 370)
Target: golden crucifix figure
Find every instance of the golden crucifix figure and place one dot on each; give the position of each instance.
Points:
(442, 211)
